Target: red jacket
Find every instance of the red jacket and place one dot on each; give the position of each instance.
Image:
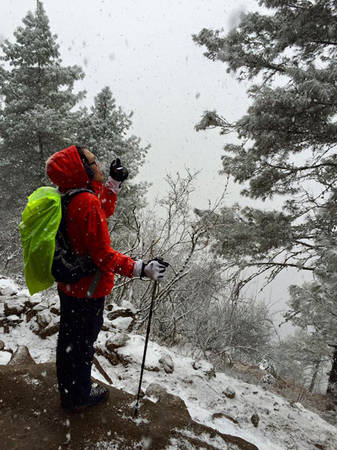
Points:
(87, 226)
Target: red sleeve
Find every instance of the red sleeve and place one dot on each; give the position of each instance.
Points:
(108, 199)
(89, 233)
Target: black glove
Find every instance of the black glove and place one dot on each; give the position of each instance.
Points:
(154, 269)
(117, 171)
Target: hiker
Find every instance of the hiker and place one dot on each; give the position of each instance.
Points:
(87, 231)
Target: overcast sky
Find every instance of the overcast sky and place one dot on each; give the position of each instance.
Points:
(143, 50)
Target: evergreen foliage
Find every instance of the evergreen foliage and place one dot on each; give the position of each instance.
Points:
(286, 145)
(36, 115)
(38, 93)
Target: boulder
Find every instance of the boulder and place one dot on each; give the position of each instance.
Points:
(44, 318)
(167, 363)
(204, 366)
(152, 368)
(123, 319)
(155, 390)
(5, 357)
(229, 392)
(2, 345)
(10, 321)
(117, 340)
(31, 302)
(14, 306)
(49, 330)
(55, 309)
(21, 356)
(39, 307)
(222, 415)
(8, 291)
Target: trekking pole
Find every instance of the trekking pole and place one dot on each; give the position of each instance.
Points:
(154, 289)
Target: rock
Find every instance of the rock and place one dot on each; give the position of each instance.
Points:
(210, 373)
(106, 326)
(49, 330)
(116, 341)
(12, 321)
(112, 358)
(4, 357)
(152, 368)
(2, 345)
(14, 306)
(21, 356)
(31, 302)
(123, 319)
(55, 309)
(8, 291)
(39, 307)
(44, 318)
(229, 392)
(196, 365)
(167, 363)
(123, 324)
(177, 404)
(222, 415)
(255, 419)
(30, 314)
(155, 390)
(120, 313)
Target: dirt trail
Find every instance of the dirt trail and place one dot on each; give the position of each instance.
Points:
(31, 418)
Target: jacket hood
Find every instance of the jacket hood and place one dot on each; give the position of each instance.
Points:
(66, 170)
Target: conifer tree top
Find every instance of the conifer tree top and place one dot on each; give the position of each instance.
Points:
(35, 45)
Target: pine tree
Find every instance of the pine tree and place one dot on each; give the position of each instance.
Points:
(36, 115)
(286, 141)
(37, 90)
(105, 130)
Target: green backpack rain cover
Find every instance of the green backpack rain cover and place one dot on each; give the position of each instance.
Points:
(40, 221)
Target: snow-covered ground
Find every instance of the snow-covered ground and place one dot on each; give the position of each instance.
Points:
(281, 425)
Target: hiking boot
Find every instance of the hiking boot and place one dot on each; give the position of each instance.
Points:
(98, 394)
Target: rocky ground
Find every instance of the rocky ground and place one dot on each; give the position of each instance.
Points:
(186, 403)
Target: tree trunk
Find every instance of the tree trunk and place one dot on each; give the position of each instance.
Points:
(314, 375)
(332, 383)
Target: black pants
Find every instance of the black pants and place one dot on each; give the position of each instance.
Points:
(80, 322)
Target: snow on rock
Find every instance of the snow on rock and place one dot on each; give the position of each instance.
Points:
(167, 362)
(122, 323)
(14, 306)
(116, 340)
(155, 390)
(7, 289)
(44, 318)
(205, 367)
(229, 392)
(5, 357)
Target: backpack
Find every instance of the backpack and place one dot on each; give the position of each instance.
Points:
(47, 254)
